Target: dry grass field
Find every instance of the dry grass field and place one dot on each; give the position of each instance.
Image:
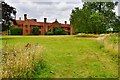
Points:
(63, 57)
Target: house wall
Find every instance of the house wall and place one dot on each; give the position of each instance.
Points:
(44, 27)
(4, 33)
(27, 26)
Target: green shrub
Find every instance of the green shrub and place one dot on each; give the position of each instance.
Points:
(35, 30)
(56, 31)
(49, 33)
(30, 34)
(16, 31)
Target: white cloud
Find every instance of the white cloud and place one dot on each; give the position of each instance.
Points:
(119, 7)
(43, 0)
(116, 10)
(52, 9)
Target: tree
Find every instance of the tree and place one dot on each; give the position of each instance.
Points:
(116, 26)
(94, 17)
(106, 8)
(35, 30)
(7, 11)
(79, 20)
(97, 23)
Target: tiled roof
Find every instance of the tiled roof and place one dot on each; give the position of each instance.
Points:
(20, 21)
(35, 23)
(30, 21)
(65, 25)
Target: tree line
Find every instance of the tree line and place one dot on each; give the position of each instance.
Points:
(95, 17)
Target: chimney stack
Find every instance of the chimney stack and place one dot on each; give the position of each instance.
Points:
(65, 22)
(19, 18)
(45, 20)
(34, 20)
(25, 17)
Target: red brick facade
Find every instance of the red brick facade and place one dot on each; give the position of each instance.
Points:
(4, 33)
(28, 24)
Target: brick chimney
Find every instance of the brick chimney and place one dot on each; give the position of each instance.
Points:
(34, 20)
(45, 20)
(19, 18)
(25, 17)
(65, 22)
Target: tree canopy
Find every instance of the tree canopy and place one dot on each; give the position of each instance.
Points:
(94, 17)
(7, 11)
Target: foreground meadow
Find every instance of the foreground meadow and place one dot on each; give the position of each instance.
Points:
(70, 56)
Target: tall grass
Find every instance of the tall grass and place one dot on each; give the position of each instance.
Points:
(19, 61)
(110, 45)
(88, 35)
(69, 57)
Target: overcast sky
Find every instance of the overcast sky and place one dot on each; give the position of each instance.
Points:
(50, 9)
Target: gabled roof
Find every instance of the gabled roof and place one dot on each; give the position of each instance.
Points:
(55, 21)
(65, 25)
(19, 22)
(35, 23)
(30, 21)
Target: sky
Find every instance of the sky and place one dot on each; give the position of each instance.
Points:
(50, 9)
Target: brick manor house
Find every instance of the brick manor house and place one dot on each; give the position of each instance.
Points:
(28, 24)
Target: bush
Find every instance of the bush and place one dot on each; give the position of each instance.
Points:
(56, 31)
(49, 33)
(30, 34)
(35, 31)
(20, 60)
(16, 31)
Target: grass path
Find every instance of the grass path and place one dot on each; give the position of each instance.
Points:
(71, 57)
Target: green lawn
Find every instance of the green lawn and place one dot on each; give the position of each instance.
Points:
(70, 56)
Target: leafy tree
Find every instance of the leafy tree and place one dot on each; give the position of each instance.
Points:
(7, 11)
(106, 8)
(11, 26)
(79, 20)
(97, 23)
(35, 30)
(116, 26)
(94, 17)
